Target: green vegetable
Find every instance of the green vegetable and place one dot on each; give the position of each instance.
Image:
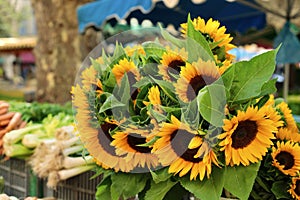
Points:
(17, 150)
(36, 112)
(17, 135)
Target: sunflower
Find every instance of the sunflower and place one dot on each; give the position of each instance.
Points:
(171, 63)
(287, 116)
(154, 98)
(127, 145)
(100, 60)
(136, 48)
(126, 66)
(96, 140)
(195, 76)
(183, 151)
(213, 33)
(287, 134)
(99, 89)
(286, 157)
(271, 113)
(223, 66)
(271, 101)
(295, 188)
(88, 77)
(246, 137)
(197, 161)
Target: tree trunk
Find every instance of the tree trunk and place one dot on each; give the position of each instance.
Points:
(57, 52)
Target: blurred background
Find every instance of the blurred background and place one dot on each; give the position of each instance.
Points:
(43, 43)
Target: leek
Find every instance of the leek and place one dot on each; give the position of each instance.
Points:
(56, 176)
(17, 150)
(70, 162)
(33, 140)
(15, 136)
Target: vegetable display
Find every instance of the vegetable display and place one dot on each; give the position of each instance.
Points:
(49, 142)
(60, 158)
(22, 142)
(9, 120)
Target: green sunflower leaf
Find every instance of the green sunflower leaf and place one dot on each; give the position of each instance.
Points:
(158, 191)
(105, 58)
(103, 190)
(109, 103)
(177, 192)
(159, 117)
(119, 53)
(150, 69)
(207, 189)
(239, 180)
(143, 82)
(191, 114)
(160, 175)
(122, 91)
(167, 36)
(167, 88)
(96, 65)
(127, 185)
(279, 189)
(268, 87)
(197, 45)
(211, 103)
(108, 79)
(245, 79)
(153, 48)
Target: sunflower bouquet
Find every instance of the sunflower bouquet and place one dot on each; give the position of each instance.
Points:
(178, 118)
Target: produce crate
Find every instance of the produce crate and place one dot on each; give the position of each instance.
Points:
(78, 187)
(16, 176)
(19, 181)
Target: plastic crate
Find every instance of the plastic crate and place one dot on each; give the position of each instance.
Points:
(16, 177)
(78, 187)
(19, 181)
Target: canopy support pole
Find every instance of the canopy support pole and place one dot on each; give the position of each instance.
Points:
(286, 81)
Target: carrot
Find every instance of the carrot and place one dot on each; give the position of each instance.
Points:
(2, 133)
(22, 125)
(14, 121)
(4, 105)
(3, 111)
(7, 116)
(4, 122)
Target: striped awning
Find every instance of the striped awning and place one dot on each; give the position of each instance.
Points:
(16, 44)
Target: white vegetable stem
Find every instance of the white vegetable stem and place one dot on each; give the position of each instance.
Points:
(70, 162)
(17, 135)
(56, 176)
(72, 150)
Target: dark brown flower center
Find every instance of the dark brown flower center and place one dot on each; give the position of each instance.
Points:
(297, 189)
(180, 140)
(244, 134)
(104, 137)
(197, 83)
(189, 154)
(134, 93)
(131, 78)
(286, 159)
(174, 68)
(134, 140)
(207, 37)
